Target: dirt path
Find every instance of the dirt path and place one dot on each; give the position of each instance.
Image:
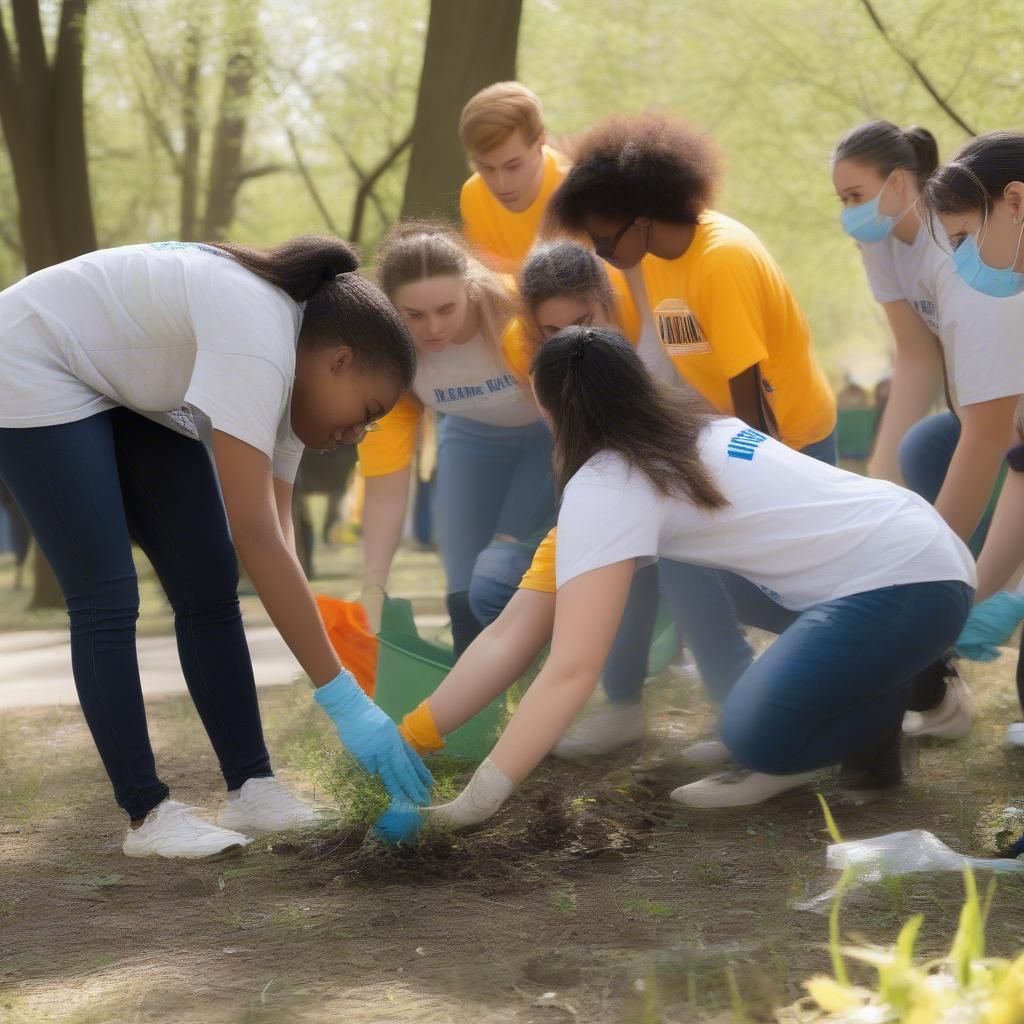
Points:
(593, 887)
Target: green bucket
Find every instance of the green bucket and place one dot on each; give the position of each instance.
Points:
(410, 669)
(665, 645)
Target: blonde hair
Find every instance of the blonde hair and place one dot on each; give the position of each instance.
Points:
(494, 113)
(414, 250)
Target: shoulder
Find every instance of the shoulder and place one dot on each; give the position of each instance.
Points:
(724, 242)
(558, 161)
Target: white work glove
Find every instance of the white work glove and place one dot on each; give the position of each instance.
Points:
(489, 788)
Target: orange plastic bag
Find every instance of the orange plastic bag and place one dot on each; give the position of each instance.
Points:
(348, 629)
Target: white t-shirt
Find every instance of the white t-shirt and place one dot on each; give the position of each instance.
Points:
(472, 381)
(803, 531)
(982, 337)
(165, 329)
(982, 342)
(912, 273)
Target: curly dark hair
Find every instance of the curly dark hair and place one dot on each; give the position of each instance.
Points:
(640, 166)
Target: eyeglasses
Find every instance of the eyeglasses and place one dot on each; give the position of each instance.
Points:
(605, 245)
(359, 435)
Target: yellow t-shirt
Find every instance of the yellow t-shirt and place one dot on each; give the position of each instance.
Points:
(541, 574)
(724, 306)
(393, 446)
(501, 237)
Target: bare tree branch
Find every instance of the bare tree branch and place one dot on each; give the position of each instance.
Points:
(314, 192)
(915, 68)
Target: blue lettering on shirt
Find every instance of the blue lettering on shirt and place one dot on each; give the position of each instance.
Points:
(188, 245)
(490, 386)
(745, 443)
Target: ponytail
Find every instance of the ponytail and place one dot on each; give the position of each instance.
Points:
(299, 266)
(600, 397)
(342, 308)
(888, 148)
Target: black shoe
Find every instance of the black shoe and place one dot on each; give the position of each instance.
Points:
(876, 768)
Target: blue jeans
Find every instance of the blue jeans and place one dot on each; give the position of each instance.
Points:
(490, 480)
(707, 607)
(925, 454)
(87, 489)
(838, 680)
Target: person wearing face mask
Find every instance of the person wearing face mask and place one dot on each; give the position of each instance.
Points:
(494, 482)
(112, 366)
(878, 171)
(714, 302)
(977, 205)
(503, 203)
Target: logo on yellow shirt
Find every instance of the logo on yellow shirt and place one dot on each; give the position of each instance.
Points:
(679, 329)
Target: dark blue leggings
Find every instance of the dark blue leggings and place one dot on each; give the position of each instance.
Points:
(87, 490)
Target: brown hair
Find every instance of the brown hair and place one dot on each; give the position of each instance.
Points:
(561, 268)
(601, 397)
(341, 306)
(494, 113)
(415, 250)
(641, 166)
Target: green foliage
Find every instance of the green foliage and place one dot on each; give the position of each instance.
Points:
(774, 81)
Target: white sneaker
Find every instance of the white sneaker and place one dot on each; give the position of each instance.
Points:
(1014, 735)
(171, 830)
(707, 754)
(951, 720)
(684, 667)
(737, 787)
(606, 729)
(263, 805)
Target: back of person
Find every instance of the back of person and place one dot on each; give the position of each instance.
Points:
(803, 531)
(123, 327)
(723, 305)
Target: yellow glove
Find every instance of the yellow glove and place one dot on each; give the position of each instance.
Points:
(419, 730)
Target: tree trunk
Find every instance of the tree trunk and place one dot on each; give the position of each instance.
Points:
(470, 44)
(190, 133)
(226, 175)
(43, 122)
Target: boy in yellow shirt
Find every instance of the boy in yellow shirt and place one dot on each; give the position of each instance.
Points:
(503, 203)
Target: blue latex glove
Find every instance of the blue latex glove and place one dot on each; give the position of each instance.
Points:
(990, 625)
(374, 740)
(400, 823)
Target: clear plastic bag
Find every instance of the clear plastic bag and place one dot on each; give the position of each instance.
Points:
(899, 853)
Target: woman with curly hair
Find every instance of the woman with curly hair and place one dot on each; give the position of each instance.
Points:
(713, 298)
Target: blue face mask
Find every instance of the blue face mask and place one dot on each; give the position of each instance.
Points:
(864, 223)
(1001, 283)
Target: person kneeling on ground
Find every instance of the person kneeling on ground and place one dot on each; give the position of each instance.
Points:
(881, 585)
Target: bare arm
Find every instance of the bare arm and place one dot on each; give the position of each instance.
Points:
(283, 493)
(749, 404)
(384, 507)
(1003, 552)
(916, 382)
(256, 529)
(494, 660)
(986, 432)
(588, 611)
